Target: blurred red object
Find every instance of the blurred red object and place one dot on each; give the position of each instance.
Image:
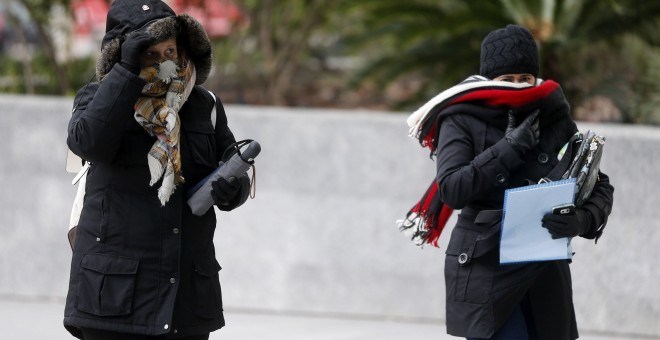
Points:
(217, 16)
(89, 16)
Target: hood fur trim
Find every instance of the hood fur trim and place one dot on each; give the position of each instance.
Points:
(189, 33)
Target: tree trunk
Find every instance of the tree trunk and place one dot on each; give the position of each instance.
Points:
(46, 40)
(59, 69)
(26, 58)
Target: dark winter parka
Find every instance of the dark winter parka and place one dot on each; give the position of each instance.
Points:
(474, 167)
(137, 266)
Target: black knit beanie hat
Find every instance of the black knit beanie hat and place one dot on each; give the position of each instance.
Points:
(509, 50)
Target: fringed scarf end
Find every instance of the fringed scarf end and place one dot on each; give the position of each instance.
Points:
(426, 220)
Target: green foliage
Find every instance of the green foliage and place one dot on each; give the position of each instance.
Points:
(439, 43)
(393, 54)
(10, 79)
(646, 99)
(271, 58)
(40, 9)
(42, 73)
(80, 72)
(13, 78)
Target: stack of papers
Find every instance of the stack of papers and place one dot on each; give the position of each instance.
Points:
(523, 237)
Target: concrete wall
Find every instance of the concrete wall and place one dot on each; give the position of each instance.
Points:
(320, 237)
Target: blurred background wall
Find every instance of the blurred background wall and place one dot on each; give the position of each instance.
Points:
(320, 236)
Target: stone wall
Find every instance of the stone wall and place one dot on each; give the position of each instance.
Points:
(320, 236)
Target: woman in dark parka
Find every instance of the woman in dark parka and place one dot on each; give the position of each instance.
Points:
(143, 265)
(489, 136)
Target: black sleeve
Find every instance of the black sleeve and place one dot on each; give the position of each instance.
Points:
(224, 138)
(223, 135)
(599, 205)
(100, 114)
(462, 175)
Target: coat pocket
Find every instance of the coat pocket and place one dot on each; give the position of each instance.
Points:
(106, 285)
(470, 264)
(208, 295)
(201, 142)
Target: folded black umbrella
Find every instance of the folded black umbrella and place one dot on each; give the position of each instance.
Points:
(200, 199)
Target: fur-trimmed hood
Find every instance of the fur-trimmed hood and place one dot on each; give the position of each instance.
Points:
(127, 16)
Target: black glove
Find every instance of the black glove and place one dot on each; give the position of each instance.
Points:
(526, 135)
(136, 43)
(568, 225)
(225, 191)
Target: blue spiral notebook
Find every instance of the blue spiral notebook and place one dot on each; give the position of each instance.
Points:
(523, 237)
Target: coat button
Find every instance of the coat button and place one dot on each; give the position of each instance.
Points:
(172, 280)
(500, 178)
(166, 326)
(463, 258)
(175, 230)
(543, 158)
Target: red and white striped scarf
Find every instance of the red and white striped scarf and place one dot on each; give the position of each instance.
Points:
(427, 218)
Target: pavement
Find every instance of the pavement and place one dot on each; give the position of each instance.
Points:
(39, 320)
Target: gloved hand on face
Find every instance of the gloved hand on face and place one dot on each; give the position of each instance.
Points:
(134, 45)
(525, 136)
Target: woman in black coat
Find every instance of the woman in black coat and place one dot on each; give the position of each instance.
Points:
(490, 136)
(143, 265)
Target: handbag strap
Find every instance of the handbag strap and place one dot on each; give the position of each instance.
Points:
(558, 171)
(214, 113)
